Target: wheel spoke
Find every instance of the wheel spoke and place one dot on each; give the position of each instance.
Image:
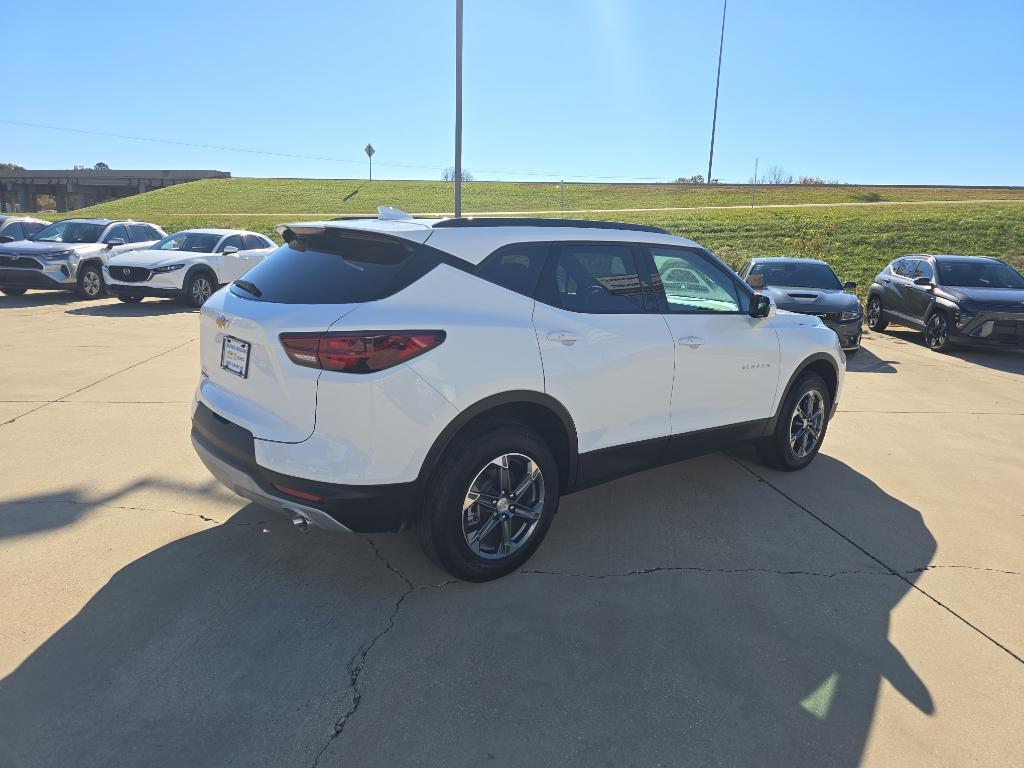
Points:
(527, 511)
(483, 499)
(505, 548)
(477, 537)
(532, 473)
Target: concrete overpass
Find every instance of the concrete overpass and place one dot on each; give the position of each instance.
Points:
(80, 188)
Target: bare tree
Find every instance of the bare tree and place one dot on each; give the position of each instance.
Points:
(777, 175)
(698, 179)
(448, 174)
(10, 167)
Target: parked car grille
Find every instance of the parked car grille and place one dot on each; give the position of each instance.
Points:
(1008, 331)
(130, 274)
(19, 261)
(829, 316)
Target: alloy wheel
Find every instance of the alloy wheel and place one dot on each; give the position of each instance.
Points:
(807, 423)
(503, 506)
(937, 331)
(201, 290)
(91, 283)
(874, 311)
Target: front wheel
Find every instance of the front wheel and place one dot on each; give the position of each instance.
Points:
(90, 282)
(13, 291)
(800, 429)
(198, 289)
(936, 333)
(875, 320)
(491, 503)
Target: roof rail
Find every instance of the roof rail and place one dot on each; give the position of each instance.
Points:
(498, 221)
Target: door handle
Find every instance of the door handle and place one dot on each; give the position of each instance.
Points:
(690, 341)
(566, 338)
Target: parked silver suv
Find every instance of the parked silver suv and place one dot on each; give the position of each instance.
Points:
(69, 255)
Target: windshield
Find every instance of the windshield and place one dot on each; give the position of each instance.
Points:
(69, 232)
(793, 274)
(979, 274)
(196, 242)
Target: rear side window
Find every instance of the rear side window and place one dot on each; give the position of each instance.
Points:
(140, 233)
(154, 233)
(118, 233)
(252, 242)
(924, 269)
(595, 278)
(337, 268)
(904, 267)
(516, 267)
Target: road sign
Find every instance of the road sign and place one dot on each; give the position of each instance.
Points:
(369, 150)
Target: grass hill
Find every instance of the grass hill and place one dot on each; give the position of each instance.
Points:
(858, 240)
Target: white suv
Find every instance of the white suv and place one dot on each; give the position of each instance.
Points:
(187, 265)
(461, 375)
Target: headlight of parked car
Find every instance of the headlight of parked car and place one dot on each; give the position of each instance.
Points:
(843, 316)
(168, 268)
(59, 255)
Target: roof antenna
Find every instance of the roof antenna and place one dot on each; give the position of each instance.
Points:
(387, 213)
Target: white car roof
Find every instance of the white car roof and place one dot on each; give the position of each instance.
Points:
(474, 239)
(220, 232)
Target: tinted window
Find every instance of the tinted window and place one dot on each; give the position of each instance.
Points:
(337, 268)
(13, 230)
(979, 274)
(70, 232)
(195, 242)
(924, 269)
(692, 283)
(516, 267)
(904, 267)
(118, 232)
(140, 233)
(234, 240)
(31, 227)
(793, 274)
(154, 233)
(252, 242)
(595, 278)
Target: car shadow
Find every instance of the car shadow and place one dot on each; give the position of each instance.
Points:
(145, 308)
(38, 299)
(1008, 360)
(241, 644)
(866, 361)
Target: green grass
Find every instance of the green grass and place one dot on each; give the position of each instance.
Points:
(858, 240)
(328, 197)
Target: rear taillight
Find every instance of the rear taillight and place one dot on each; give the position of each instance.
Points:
(359, 351)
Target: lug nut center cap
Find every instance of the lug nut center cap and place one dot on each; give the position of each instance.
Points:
(502, 505)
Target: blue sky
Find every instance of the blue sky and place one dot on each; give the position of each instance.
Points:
(872, 91)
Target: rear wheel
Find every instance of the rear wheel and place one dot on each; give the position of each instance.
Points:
(936, 332)
(130, 299)
(800, 429)
(491, 503)
(199, 288)
(875, 320)
(13, 291)
(90, 282)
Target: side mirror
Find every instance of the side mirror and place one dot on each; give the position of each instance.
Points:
(755, 281)
(761, 306)
(114, 241)
(229, 250)
(6, 239)
(923, 281)
(849, 285)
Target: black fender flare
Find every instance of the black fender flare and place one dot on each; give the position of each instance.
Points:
(491, 403)
(193, 270)
(797, 372)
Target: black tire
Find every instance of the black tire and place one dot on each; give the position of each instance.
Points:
(13, 291)
(876, 319)
(130, 299)
(853, 351)
(446, 524)
(199, 287)
(778, 451)
(936, 332)
(90, 282)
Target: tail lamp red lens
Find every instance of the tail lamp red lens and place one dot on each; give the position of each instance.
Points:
(299, 494)
(359, 351)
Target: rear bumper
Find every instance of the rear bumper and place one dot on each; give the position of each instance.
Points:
(141, 289)
(228, 451)
(17, 277)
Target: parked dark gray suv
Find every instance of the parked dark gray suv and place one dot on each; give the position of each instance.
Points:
(954, 299)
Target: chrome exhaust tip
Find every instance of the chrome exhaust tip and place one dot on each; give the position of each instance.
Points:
(299, 523)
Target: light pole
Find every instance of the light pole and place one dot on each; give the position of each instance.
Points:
(458, 108)
(718, 79)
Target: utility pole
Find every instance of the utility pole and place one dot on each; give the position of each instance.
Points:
(458, 108)
(753, 187)
(561, 195)
(718, 79)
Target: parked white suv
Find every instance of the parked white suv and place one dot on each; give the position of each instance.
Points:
(188, 265)
(68, 255)
(462, 375)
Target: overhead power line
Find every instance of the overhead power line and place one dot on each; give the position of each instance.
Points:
(320, 158)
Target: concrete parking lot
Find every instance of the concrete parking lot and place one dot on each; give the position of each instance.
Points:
(867, 611)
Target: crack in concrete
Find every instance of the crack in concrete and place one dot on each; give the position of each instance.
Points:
(137, 509)
(699, 569)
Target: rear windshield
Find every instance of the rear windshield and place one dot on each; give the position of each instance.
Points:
(336, 268)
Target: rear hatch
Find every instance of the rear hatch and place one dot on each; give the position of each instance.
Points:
(320, 275)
